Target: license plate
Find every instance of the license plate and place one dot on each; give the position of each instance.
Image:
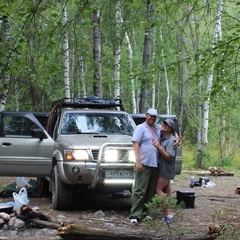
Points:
(110, 174)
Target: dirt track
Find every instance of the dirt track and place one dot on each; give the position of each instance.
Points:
(219, 205)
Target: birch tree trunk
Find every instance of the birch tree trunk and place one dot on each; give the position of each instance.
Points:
(166, 78)
(130, 65)
(66, 53)
(81, 83)
(216, 35)
(97, 85)
(4, 72)
(143, 105)
(117, 52)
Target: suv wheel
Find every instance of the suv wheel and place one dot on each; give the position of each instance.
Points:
(62, 194)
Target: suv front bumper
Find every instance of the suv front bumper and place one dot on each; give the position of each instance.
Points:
(109, 176)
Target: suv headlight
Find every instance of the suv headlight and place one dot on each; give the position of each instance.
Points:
(78, 155)
(131, 156)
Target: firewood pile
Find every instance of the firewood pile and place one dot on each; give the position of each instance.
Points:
(26, 215)
(219, 171)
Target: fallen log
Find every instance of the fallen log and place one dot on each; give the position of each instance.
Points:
(29, 213)
(218, 174)
(225, 173)
(74, 232)
(37, 218)
(41, 223)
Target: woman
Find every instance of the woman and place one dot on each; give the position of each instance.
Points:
(166, 161)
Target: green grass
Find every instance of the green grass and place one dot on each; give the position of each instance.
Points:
(210, 157)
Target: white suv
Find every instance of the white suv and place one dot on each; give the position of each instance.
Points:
(92, 150)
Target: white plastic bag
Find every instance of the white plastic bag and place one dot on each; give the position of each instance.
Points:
(20, 199)
(21, 182)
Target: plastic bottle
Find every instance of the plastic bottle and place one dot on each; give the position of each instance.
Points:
(203, 183)
(192, 180)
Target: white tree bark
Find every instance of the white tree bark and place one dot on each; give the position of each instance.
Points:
(117, 52)
(82, 83)
(130, 65)
(66, 53)
(97, 52)
(4, 82)
(166, 78)
(216, 35)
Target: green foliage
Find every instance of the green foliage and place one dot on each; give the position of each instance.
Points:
(33, 57)
(158, 206)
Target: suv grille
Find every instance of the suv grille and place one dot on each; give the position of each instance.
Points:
(95, 154)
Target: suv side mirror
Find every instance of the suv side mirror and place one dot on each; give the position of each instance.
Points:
(38, 133)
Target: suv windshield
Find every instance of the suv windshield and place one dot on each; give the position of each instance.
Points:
(110, 123)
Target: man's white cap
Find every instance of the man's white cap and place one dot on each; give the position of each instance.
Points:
(152, 112)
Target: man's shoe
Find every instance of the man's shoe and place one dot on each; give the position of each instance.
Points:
(133, 220)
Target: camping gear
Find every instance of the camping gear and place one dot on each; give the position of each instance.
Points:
(20, 199)
(5, 207)
(186, 196)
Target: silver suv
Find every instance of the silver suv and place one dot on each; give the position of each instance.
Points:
(92, 150)
(25, 147)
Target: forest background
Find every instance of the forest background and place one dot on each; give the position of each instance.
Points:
(180, 57)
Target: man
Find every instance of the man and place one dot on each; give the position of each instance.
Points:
(146, 169)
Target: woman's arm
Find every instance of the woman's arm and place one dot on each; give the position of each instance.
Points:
(164, 153)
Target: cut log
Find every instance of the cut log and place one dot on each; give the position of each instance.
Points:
(29, 213)
(41, 223)
(225, 173)
(202, 173)
(77, 232)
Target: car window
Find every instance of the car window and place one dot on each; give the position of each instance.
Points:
(18, 126)
(96, 123)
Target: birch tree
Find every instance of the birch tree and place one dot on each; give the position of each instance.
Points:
(97, 85)
(66, 53)
(5, 77)
(130, 65)
(216, 35)
(166, 77)
(82, 78)
(117, 51)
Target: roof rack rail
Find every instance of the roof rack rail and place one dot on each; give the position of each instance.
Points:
(88, 102)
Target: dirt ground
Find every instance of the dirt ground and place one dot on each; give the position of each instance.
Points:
(217, 205)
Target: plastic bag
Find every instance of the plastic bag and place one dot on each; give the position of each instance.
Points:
(21, 182)
(20, 199)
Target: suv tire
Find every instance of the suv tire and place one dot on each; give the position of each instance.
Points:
(62, 194)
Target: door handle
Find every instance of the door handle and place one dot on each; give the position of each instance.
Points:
(6, 144)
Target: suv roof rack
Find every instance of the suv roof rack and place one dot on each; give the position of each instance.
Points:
(88, 102)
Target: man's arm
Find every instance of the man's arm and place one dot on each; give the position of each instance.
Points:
(177, 140)
(136, 149)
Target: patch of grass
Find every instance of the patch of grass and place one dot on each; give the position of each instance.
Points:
(210, 157)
